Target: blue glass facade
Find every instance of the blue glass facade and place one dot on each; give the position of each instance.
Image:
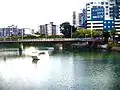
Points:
(97, 13)
(84, 18)
(108, 25)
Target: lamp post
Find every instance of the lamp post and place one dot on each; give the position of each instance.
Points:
(71, 31)
(86, 37)
(22, 33)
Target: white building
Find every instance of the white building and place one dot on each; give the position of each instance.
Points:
(28, 31)
(96, 21)
(48, 29)
(103, 15)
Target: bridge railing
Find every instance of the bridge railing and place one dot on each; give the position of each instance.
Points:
(50, 39)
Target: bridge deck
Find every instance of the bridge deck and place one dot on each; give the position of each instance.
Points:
(50, 40)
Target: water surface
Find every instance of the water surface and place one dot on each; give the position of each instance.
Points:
(81, 69)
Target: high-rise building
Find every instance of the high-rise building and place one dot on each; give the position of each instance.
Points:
(84, 18)
(47, 29)
(80, 15)
(103, 15)
(51, 29)
(42, 29)
(74, 18)
(98, 16)
(11, 31)
(116, 11)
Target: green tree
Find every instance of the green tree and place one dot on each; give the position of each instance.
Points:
(87, 32)
(95, 33)
(66, 29)
(112, 33)
(82, 33)
(106, 35)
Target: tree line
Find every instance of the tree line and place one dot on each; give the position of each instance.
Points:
(68, 30)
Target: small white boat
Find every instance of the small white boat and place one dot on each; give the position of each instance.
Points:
(37, 55)
(104, 46)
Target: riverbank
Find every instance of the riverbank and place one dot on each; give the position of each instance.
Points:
(115, 49)
(85, 45)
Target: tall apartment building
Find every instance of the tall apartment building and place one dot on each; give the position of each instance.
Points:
(116, 11)
(82, 18)
(74, 18)
(103, 15)
(98, 15)
(11, 31)
(47, 29)
(42, 29)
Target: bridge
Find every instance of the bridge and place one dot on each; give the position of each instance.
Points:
(51, 40)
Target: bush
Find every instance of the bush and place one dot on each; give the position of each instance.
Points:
(112, 44)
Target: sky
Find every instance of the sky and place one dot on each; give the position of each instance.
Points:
(31, 13)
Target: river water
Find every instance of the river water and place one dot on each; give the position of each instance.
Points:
(78, 69)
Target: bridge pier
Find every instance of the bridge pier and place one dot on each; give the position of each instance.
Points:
(21, 46)
(58, 46)
(20, 49)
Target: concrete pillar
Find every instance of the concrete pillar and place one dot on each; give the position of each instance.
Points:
(58, 46)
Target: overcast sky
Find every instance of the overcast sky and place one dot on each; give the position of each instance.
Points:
(31, 13)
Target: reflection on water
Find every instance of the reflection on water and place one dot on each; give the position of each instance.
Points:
(61, 70)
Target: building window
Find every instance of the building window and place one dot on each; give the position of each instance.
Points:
(102, 3)
(111, 4)
(91, 2)
(106, 13)
(111, 8)
(88, 17)
(88, 4)
(106, 3)
(111, 15)
(111, 12)
(106, 6)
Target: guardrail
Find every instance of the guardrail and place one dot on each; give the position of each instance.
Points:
(50, 40)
